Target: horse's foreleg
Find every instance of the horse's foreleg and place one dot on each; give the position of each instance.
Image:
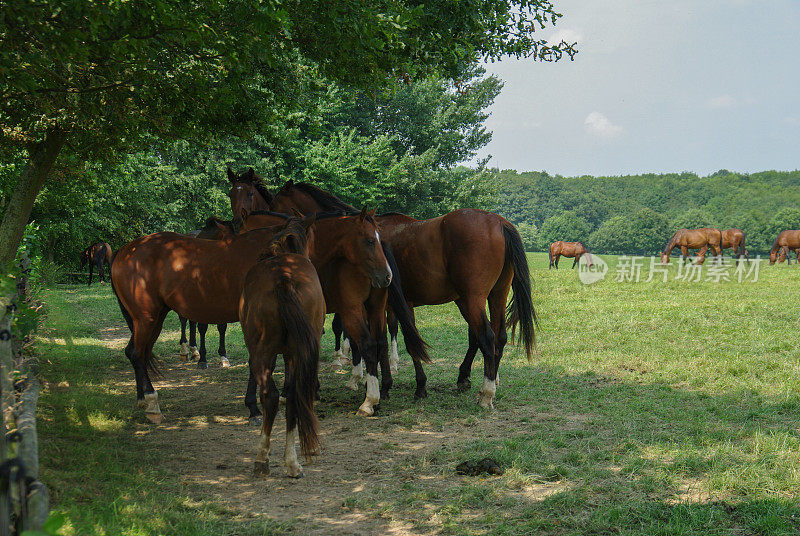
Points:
(364, 357)
(202, 363)
(184, 353)
(575, 262)
(376, 319)
(193, 340)
(555, 261)
(339, 360)
(222, 351)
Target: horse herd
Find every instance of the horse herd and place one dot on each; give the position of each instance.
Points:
(288, 258)
(701, 239)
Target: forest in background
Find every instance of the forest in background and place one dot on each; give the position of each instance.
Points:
(637, 214)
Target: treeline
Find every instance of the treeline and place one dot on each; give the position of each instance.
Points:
(397, 150)
(637, 214)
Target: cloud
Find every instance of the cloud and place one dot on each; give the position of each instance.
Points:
(568, 35)
(723, 101)
(599, 125)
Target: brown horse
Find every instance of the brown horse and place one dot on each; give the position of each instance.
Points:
(203, 280)
(282, 310)
(248, 194)
(468, 256)
(734, 238)
(786, 241)
(568, 249)
(701, 239)
(97, 255)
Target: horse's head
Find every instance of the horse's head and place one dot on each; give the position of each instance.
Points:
(362, 247)
(290, 198)
(296, 236)
(247, 194)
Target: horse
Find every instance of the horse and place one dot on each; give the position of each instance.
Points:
(361, 307)
(786, 241)
(468, 256)
(214, 229)
(97, 255)
(203, 280)
(247, 194)
(701, 239)
(282, 310)
(568, 249)
(734, 238)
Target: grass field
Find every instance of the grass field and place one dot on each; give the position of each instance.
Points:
(650, 408)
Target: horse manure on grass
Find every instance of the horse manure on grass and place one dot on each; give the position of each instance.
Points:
(486, 466)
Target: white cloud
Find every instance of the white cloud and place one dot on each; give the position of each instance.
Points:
(568, 35)
(723, 101)
(599, 125)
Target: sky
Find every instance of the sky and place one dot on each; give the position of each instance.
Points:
(658, 86)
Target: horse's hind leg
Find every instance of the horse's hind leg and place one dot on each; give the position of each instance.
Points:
(474, 312)
(577, 258)
(392, 325)
(202, 363)
(223, 353)
(251, 401)
(293, 468)
(463, 384)
(497, 312)
(144, 337)
(184, 353)
(269, 401)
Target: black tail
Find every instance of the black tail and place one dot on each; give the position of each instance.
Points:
(520, 308)
(549, 254)
(304, 340)
(743, 250)
(415, 346)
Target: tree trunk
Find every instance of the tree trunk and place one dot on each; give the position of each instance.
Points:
(30, 181)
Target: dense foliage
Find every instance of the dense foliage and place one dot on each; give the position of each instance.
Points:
(638, 214)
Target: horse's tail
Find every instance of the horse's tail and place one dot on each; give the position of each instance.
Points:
(415, 346)
(549, 254)
(300, 393)
(520, 308)
(743, 249)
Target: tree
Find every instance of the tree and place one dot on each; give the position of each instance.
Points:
(529, 234)
(566, 226)
(95, 76)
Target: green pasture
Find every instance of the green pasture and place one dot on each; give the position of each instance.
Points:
(649, 408)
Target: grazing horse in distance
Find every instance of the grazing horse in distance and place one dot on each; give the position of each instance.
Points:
(468, 256)
(734, 238)
(786, 241)
(282, 310)
(97, 255)
(203, 280)
(568, 249)
(701, 239)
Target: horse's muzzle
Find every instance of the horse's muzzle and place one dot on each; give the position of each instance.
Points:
(383, 279)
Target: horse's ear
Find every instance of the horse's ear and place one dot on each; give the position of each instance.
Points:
(231, 175)
(309, 221)
(249, 175)
(363, 214)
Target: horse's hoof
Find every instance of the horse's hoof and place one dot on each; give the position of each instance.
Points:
(419, 394)
(393, 369)
(195, 353)
(155, 418)
(464, 386)
(485, 402)
(224, 363)
(202, 365)
(293, 474)
(261, 469)
(365, 411)
(255, 421)
(142, 403)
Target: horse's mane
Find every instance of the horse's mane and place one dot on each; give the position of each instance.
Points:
(326, 200)
(671, 240)
(291, 239)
